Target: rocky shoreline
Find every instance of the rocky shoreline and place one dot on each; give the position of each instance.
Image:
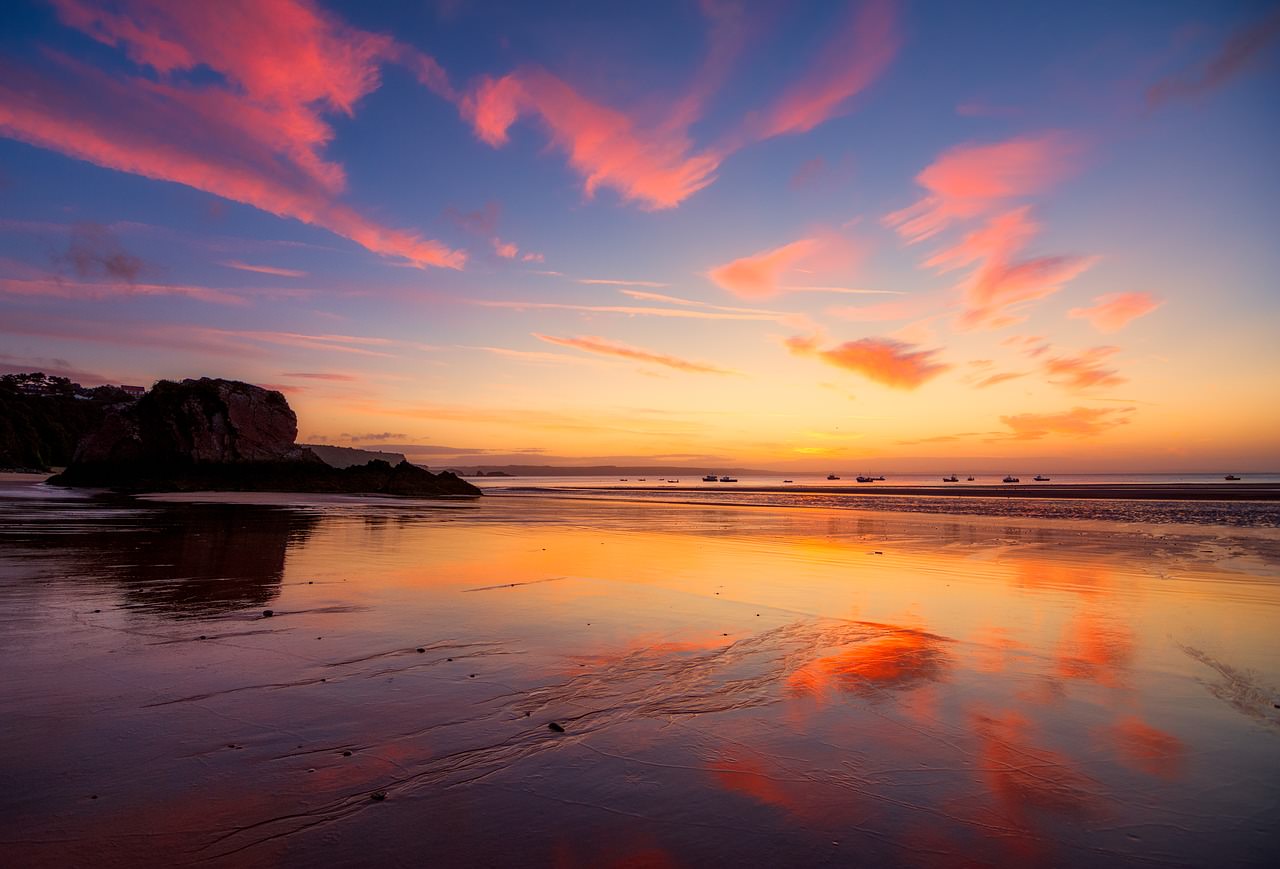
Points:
(224, 435)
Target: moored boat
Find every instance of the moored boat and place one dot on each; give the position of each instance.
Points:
(952, 479)
(1039, 478)
(1011, 479)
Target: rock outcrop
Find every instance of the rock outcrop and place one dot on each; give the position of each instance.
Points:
(224, 435)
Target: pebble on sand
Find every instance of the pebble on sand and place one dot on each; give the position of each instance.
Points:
(421, 650)
(266, 614)
(556, 727)
(378, 796)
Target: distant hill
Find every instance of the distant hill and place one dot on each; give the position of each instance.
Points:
(43, 418)
(346, 457)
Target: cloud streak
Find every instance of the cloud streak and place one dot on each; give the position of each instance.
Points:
(603, 346)
(1114, 311)
(1079, 422)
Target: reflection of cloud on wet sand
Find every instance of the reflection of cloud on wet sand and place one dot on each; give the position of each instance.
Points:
(901, 659)
(1148, 749)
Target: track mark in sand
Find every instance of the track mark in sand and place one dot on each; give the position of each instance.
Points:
(515, 584)
(1239, 689)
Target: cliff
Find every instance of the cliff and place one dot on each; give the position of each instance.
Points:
(224, 435)
(345, 457)
(43, 418)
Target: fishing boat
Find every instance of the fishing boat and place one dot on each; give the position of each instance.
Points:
(1040, 478)
(710, 478)
(952, 479)
(861, 479)
(728, 479)
(1011, 479)
(970, 479)
(1230, 477)
(788, 481)
(832, 477)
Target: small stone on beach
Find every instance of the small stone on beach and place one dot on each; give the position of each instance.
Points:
(556, 727)
(421, 650)
(346, 754)
(266, 614)
(378, 796)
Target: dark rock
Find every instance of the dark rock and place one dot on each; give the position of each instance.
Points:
(346, 754)
(421, 650)
(224, 435)
(378, 796)
(556, 727)
(268, 613)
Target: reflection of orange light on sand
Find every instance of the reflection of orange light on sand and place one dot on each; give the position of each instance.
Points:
(902, 659)
(1148, 749)
(1022, 774)
(1094, 649)
(750, 780)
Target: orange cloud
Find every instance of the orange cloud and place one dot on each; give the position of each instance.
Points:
(1077, 422)
(885, 361)
(1234, 58)
(1112, 312)
(1085, 370)
(993, 379)
(854, 56)
(258, 139)
(505, 249)
(592, 344)
(654, 167)
(970, 180)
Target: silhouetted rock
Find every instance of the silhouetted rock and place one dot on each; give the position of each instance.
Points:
(223, 435)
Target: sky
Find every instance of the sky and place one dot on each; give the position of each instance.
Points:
(820, 236)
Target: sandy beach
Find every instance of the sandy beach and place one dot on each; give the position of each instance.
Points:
(735, 684)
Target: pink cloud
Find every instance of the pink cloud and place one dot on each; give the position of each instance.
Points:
(592, 344)
(854, 56)
(258, 139)
(883, 360)
(1001, 284)
(970, 180)
(533, 258)
(653, 166)
(1078, 422)
(1084, 371)
(1114, 311)
(631, 310)
(758, 275)
(1236, 55)
(505, 249)
(263, 270)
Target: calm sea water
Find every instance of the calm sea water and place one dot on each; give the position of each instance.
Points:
(848, 479)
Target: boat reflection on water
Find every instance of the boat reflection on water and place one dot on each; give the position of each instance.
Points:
(733, 684)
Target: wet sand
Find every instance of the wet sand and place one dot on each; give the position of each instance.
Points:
(736, 685)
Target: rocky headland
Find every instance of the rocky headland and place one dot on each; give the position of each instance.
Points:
(224, 435)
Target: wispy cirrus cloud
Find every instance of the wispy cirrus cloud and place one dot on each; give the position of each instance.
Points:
(321, 375)
(615, 282)
(858, 51)
(969, 181)
(257, 137)
(1080, 422)
(1114, 311)
(891, 363)
(56, 287)
(1085, 370)
(263, 270)
(630, 310)
(1241, 50)
(593, 344)
(1001, 283)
